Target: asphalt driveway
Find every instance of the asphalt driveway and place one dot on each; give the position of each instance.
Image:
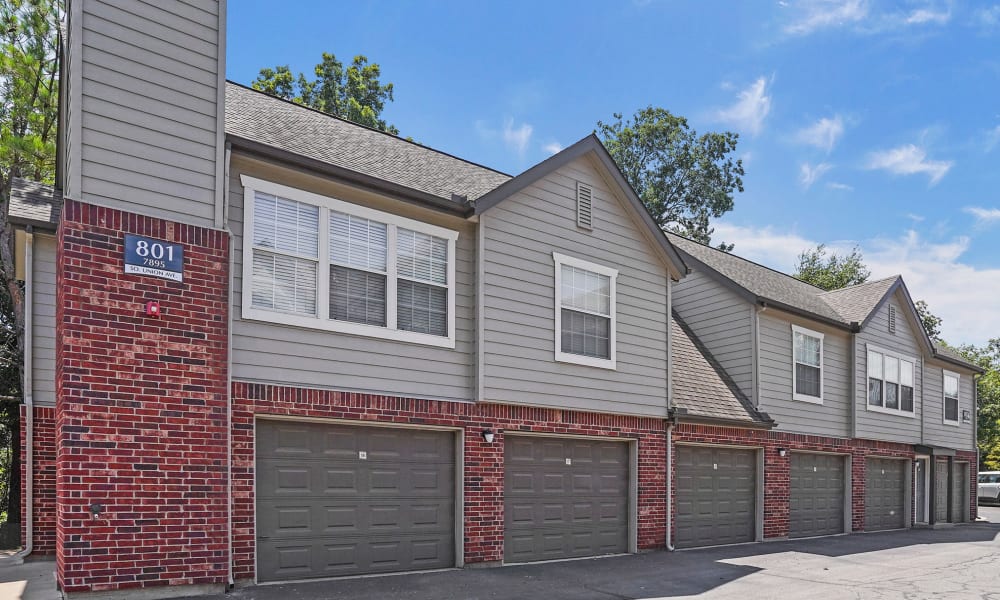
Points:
(960, 562)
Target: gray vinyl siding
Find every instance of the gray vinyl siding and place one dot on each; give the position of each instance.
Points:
(832, 418)
(936, 433)
(722, 321)
(520, 235)
(297, 356)
(149, 93)
(43, 325)
(877, 425)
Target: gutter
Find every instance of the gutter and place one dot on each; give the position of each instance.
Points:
(29, 403)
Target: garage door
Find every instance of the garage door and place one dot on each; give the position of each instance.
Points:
(885, 494)
(716, 496)
(817, 495)
(564, 498)
(341, 500)
(960, 493)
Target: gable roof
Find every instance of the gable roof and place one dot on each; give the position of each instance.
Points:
(593, 146)
(258, 121)
(702, 389)
(849, 308)
(35, 204)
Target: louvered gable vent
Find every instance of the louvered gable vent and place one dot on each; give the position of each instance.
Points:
(892, 319)
(584, 205)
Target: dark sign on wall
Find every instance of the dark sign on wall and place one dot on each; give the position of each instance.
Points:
(156, 258)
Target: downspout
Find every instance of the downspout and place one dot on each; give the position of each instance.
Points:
(974, 503)
(231, 582)
(670, 411)
(29, 403)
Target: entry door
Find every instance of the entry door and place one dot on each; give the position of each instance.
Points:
(564, 498)
(342, 500)
(920, 490)
(716, 496)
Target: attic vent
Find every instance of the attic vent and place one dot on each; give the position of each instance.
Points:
(584, 205)
(892, 319)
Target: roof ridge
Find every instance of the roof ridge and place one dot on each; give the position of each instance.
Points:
(747, 260)
(379, 131)
(862, 284)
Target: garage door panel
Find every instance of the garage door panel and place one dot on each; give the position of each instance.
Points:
(356, 502)
(885, 494)
(558, 508)
(716, 495)
(816, 494)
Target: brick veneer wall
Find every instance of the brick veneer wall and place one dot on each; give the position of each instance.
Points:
(973, 459)
(141, 415)
(483, 467)
(777, 468)
(44, 483)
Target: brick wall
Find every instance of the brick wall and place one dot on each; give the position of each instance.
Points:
(141, 426)
(44, 482)
(973, 459)
(483, 485)
(777, 469)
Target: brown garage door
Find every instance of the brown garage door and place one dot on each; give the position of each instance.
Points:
(960, 493)
(341, 500)
(816, 495)
(716, 496)
(564, 498)
(885, 494)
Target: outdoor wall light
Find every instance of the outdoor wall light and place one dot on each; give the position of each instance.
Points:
(488, 435)
(782, 452)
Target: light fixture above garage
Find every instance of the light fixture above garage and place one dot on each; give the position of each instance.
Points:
(488, 435)
(782, 452)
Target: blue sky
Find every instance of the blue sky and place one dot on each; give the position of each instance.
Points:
(861, 122)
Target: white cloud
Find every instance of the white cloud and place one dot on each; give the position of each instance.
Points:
(927, 15)
(909, 159)
(836, 185)
(517, 138)
(553, 147)
(984, 216)
(989, 17)
(963, 295)
(992, 138)
(823, 14)
(824, 133)
(809, 174)
(750, 109)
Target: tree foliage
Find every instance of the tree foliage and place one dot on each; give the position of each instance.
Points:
(354, 92)
(683, 178)
(29, 93)
(988, 388)
(930, 321)
(829, 271)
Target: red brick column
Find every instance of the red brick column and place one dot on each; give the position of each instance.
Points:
(44, 482)
(141, 426)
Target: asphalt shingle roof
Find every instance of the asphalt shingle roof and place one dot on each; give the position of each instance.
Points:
(854, 303)
(274, 122)
(34, 203)
(701, 386)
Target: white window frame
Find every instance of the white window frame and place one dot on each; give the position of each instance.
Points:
(958, 412)
(568, 357)
(899, 412)
(822, 371)
(321, 319)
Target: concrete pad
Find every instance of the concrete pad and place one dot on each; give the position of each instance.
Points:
(33, 580)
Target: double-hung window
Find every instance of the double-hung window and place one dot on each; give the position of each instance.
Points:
(807, 365)
(319, 262)
(584, 312)
(951, 407)
(890, 382)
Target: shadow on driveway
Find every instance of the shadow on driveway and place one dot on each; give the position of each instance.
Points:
(657, 574)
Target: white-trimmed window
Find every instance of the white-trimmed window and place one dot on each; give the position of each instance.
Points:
(585, 312)
(890, 382)
(951, 397)
(807, 365)
(318, 262)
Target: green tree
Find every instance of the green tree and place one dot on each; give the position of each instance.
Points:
(353, 93)
(29, 92)
(683, 178)
(829, 271)
(988, 391)
(931, 322)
